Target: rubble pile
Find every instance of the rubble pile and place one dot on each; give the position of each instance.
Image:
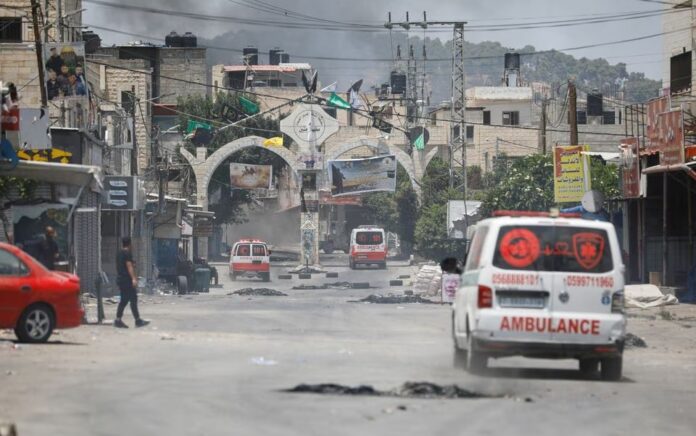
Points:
(633, 341)
(394, 299)
(262, 292)
(423, 390)
(428, 280)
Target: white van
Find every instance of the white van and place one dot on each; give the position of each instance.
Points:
(368, 246)
(542, 287)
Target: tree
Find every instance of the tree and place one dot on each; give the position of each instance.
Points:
(431, 235)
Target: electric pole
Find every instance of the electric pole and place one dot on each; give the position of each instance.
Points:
(573, 112)
(542, 130)
(35, 12)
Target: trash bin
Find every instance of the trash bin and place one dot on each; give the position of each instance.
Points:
(201, 280)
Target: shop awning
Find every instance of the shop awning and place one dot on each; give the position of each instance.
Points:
(689, 168)
(62, 174)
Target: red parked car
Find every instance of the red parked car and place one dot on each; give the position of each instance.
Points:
(34, 300)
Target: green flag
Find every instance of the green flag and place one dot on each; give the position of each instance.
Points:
(335, 100)
(248, 106)
(193, 125)
(419, 143)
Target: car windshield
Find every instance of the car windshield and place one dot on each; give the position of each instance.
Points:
(369, 238)
(553, 248)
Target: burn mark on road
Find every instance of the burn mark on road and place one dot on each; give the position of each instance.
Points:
(394, 299)
(424, 390)
(262, 292)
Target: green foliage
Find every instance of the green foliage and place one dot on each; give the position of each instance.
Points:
(528, 184)
(25, 187)
(431, 235)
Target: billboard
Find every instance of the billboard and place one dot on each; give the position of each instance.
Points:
(357, 176)
(457, 226)
(570, 173)
(671, 137)
(247, 176)
(630, 167)
(65, 70)
(120, 193)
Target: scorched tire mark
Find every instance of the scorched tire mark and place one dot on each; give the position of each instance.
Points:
(520, 248)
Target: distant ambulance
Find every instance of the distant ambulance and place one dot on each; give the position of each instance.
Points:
(250, 258)
(542, 287)
(368, 245)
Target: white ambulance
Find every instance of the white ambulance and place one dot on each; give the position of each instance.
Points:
(542, 287)
(250, 258)
(368, 246)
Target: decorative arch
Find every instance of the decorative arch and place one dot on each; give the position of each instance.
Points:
(204, 166)
(401, 156)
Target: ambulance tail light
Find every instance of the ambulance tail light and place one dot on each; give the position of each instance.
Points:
(485, 297)
(617, 302)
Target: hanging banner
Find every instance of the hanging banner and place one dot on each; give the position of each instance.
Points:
(247, 176)
(570, 173)
(65, 70)
(357, 176)
(630, 167)
(671, 137)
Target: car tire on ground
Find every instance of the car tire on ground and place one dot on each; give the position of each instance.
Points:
(266, 277)
(182, 285)
(383, 265)
(284, 276)
(331, 275)
(612, 368)
(36, 324)
(476, 361)
(589, 366)
(304, 276)
(328, 247)
(396, 282)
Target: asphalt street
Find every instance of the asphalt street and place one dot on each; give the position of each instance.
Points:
(216, 364)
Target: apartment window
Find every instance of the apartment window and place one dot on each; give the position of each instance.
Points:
(469, 132)
(680, 73)
(11, 29)
(511, 118)
(128, 102)
(487, 118)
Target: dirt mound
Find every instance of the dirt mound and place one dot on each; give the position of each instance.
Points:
(262, 292)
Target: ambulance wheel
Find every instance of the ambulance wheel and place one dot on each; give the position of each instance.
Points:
(589, 366)
(233, 276)
(383, 265)
(460, 356)
(476, 361)
(612, 368)
(182, 285)
(351, 264)
(266, 277)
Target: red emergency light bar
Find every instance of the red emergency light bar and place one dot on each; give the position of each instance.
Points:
(532, 213)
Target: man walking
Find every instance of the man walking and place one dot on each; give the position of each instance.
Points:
(127, 283)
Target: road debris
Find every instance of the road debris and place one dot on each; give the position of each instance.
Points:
(633, 341)
(167, 337)
(262, 361)
(394, 299)
(407, 390)
(263, 292)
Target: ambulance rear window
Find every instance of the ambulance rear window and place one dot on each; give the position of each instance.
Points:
(368, 238)
(259, 250)
(242, 250)
(551, 248)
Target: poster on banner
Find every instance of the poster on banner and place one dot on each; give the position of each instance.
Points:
(247, 176)
(630, 167)
(65, 71)
(450, 284)
(571, 177)
(357, 176)
(671, 137)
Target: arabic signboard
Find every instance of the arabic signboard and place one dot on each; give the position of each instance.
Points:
(570, 173)
(202, 227)
(347, 200)
(630, 171)
(671, 137)
(357, 176)
(65, 70)
(309, 126)
(247, 176)
(119, 193)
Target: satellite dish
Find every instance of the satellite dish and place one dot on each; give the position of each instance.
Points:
(593, 201)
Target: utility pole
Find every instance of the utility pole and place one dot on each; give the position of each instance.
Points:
(59, 19)
(35, 12)
(573, 112)
(542, 130)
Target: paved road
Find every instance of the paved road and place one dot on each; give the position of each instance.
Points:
(215, 365)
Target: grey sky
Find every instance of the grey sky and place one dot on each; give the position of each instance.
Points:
(640, 56)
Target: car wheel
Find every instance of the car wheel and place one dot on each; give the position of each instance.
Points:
(383, 265)
(589, 366)
(266, 277)
(36, 324)
(476, 361)
(612, 368)
(351, 264)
